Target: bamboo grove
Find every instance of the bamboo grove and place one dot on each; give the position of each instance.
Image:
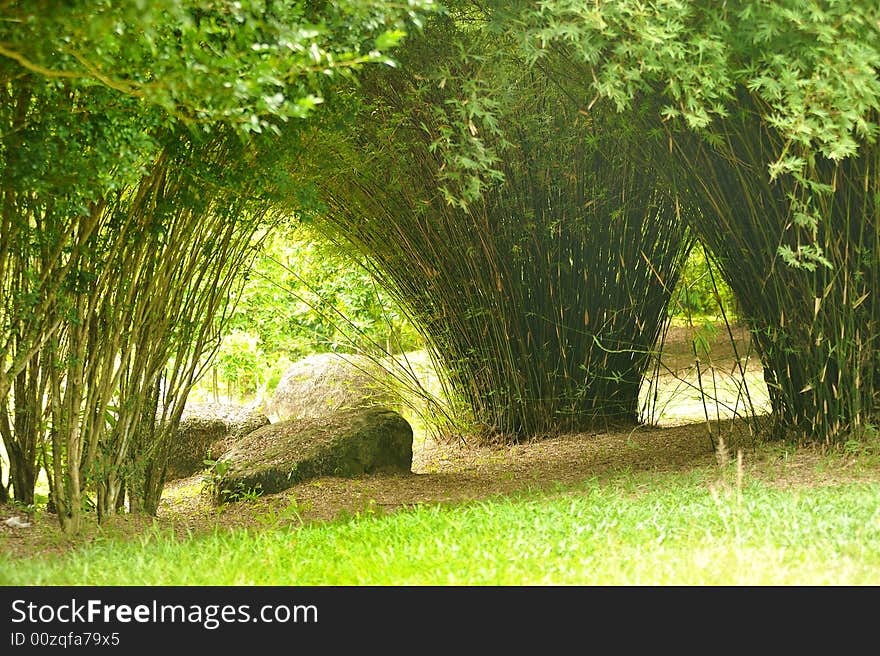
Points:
(145, 281)
(814, 324)
(139, 178)
(543, 295)
(765, 116)
(523, 178)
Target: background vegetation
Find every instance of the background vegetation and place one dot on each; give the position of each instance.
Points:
(302, 296)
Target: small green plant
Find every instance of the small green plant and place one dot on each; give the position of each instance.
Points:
(214, 484)
(245, 494)
(290, 514)
(704, 336)
(852, 447)
(29, 508)
(237, 494)
(213, 476)
(862, 441)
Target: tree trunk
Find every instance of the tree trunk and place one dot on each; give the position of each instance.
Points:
(4, 493)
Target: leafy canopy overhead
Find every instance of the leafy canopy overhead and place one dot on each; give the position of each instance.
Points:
(251, 63)
(813, 63)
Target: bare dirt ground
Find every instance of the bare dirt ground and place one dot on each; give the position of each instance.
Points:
(455, 473)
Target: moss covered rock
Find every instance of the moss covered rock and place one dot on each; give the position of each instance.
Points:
(193, 442)
(208, 430)
(345, 443)
(324, 383)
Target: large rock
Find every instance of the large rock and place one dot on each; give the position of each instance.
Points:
(322, 384)
(208, 430)
(346, 443)
(238, 419)
(193, 443)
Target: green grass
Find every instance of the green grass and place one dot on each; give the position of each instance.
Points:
(655, 530)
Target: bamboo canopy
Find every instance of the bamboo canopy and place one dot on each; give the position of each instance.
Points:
(541, 297)
(814, 319)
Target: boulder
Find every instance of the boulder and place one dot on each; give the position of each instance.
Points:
(322, 384)
(247, 424)
(239, 419)
(237, 426)
(193, 443)
(345, 443)
(208, 430)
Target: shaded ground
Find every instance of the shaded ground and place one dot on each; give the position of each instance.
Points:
(454, 473)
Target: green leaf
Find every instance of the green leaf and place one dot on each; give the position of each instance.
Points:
(389, 39)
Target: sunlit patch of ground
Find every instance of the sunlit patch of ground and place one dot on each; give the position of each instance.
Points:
(713, 392)
(704, 375)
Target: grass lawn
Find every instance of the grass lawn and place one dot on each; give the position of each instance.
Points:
(690, 528)
(636, 506)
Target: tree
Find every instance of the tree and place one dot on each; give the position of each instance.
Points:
(140, 162)
(764, 116)
(518, 233)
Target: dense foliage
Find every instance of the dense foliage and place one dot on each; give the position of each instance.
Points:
(303, 296)
(140, 170)
(764, 117)
(702, 292)
(524, 185)
(518, 233)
